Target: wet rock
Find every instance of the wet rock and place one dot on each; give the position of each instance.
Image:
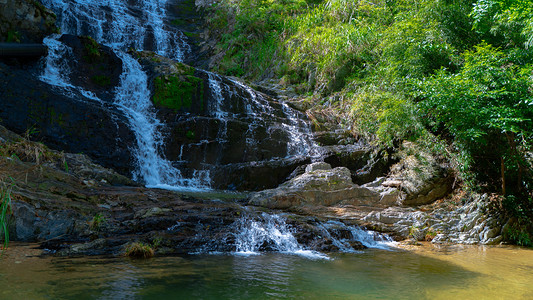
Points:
(94, 67)
(223, 132)
(64, 121)
(25, 21)
(319, 185)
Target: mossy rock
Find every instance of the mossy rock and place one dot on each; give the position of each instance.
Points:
(178, 92)
(91, 49)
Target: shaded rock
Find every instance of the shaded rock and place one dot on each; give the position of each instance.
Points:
(25, 21)
(64, 121)
(319, 185)
(420, 176)
(94, 67)
(364, 163)
(417, 179)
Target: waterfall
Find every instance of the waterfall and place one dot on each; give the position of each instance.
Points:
(270, 131)
(269, 230)
(57, 71)
(119, 24)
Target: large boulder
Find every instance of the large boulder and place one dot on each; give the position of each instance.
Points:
(25, 21)
(319, 185)
(417, 179)
(93, 67)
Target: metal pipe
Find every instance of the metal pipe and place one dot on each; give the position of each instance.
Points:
(24, 50)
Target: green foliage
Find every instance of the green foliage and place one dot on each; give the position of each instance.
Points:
(13, 37)
(504, 22)
(520, 231)
(453, 75)
(97, 222)
(384, 117)
(5, 204)
(485, 109)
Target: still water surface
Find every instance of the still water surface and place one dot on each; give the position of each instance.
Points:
(456, 272)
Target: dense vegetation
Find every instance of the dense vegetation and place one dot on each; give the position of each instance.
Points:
(454, 76)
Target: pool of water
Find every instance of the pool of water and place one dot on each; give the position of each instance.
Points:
(426, 272)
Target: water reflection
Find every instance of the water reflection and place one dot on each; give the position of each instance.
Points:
(275, 280)
(425, 273)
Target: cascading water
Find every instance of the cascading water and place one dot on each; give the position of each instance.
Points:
(270, 131)
(368, 238)
(268, 231)
(119, 25)
(57, 71)
(271, 232)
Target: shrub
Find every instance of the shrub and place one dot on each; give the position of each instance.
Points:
(139, 250)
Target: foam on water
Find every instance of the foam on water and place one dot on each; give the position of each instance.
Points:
(271, 232)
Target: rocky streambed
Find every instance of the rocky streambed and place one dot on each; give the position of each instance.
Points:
(73, 206)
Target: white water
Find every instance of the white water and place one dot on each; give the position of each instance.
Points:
(141, 24)
(272, 230)
(368, 238)
(301, 142)
(121, 24)
(216, 92)
(115, 24)
(57, 71)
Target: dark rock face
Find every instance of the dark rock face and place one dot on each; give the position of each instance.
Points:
(25, 21)
(63, 121)
(185, 16)
(93, 67)
(245, 139)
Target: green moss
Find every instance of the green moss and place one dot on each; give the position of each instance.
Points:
(191, 34)
(190, 135)
(13, 37)
(92, 49)
(101, 80)
(178, 92)
(179, 22)
(184, 69)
